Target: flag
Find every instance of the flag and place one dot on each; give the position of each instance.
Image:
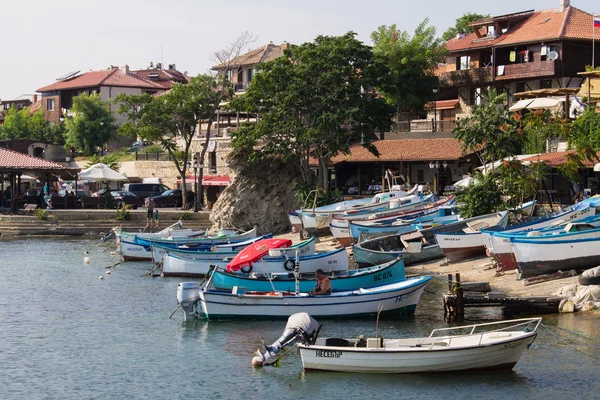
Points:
(596, 21)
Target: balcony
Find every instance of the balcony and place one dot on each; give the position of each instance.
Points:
(240, 86)
(470, 77)
(536, 69)
(424, 125)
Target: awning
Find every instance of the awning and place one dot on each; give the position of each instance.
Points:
(521, 104)
(208, 180)
(544, 102)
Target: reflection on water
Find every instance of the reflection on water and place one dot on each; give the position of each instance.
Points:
(66, 334)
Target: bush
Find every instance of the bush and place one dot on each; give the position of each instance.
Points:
(41, 214)
(185, 216)
(154, 149)
(123, 213)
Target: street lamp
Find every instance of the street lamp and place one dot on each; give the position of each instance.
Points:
(435, 90)
(436, 167)
(195, 165)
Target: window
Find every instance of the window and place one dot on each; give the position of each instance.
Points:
(420, 175)
(475, 97)
(250, 74)
(50, 105)
(546, 84)
(463, 63)
(545, 51)
(212, 161)
(519, 87)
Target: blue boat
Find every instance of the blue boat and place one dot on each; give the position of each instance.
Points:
(383, 274)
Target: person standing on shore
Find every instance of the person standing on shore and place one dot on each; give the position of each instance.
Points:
(149, 204)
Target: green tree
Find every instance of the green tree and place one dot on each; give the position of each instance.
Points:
(584, 138)
(91, 126)
(15, 124)
(462, 25)
(315, 102)
(489, 131)
(483, 196)
(22, 124)
(111, 160)
(412, 61)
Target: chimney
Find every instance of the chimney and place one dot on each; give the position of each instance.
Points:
(125, 69)
(34, 98)
(172, 67)
(564, 4)
(285, 45)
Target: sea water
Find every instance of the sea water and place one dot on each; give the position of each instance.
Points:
(66, 334)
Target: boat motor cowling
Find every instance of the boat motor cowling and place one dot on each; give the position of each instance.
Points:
(188, 295)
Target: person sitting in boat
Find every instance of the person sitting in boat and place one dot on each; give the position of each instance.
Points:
(323, 286)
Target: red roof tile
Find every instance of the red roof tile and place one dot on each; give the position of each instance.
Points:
(545, 25)
(13, 160)
(405, 150)
(263, 54)
(166, 78)
(558, 158)
(107, 77)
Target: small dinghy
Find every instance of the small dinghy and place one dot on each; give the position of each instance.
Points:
(478, 347)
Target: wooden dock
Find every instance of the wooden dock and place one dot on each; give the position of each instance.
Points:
(458, 299)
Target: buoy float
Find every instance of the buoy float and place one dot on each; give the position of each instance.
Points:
(257, 362)
(86, 260)
(100, 277)
(87, 252)
(107, 272)
(112, 253)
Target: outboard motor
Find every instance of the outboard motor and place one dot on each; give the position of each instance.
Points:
(300, 327)
(188, 296)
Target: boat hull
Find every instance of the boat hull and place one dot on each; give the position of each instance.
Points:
(177, 264)
(397, 299)
(365, 278)
(367, 258)
(502, 355)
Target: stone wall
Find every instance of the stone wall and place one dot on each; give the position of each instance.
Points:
(260, 196)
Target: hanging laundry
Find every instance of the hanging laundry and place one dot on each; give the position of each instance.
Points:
(544, 50)
(512, 56)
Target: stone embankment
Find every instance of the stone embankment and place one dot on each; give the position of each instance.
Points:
(94, 222)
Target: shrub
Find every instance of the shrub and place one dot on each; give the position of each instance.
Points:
(154, 149)
(41, 214)
(185, 216)
(123, 213)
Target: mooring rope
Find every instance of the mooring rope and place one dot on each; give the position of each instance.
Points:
(570, 345)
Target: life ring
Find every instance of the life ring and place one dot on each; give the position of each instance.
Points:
(288, 265)
(247, 269)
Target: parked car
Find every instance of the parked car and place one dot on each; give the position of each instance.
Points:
(122, 197)
(172, 198)
(139, 145)
(143, 190)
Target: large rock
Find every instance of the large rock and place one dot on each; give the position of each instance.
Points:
(260, 195)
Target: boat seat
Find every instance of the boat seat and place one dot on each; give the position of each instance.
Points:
(338, 342)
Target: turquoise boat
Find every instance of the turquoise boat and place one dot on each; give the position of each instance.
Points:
(365, 278)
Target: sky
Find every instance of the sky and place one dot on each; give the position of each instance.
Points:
(44, 40)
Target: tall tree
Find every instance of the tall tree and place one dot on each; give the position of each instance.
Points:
(91, 126)
(462, 25)
(315, 101)
(584, 137)
(412, 61)
(489, 131)
(173, 119)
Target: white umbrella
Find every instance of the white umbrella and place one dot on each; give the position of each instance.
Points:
(102, 172)
(464, 182)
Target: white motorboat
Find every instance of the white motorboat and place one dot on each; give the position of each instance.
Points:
(398, 298)
(484, 346)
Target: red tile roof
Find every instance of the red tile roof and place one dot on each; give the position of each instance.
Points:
(558, 158)
(108, 77)
(444, 104)
(166, 78)
(10, 159)
(545, 25)
(405, 150)
(265, 53)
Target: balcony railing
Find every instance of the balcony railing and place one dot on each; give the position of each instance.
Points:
(240, 86)
(527, 70)
(469, 77)
(424, 125)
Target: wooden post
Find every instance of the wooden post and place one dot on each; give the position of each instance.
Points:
(460, 301)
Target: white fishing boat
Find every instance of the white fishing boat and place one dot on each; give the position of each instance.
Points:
(478, 347)
(497, 242)
(578, 251)
(177, 263)
(399, 298)
(468, 242)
